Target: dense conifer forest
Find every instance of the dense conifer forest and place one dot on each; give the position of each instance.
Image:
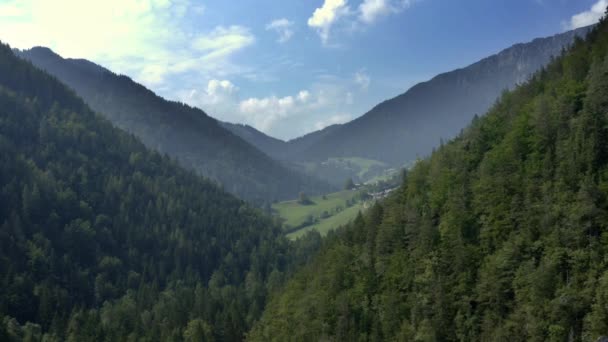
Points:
(501, 235)
(104, 240)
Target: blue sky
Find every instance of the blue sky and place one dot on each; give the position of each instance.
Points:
(286, 67)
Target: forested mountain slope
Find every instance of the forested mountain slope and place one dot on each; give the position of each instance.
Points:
(103, 240)
(198, 141)
(501, 235)
(274, 147)
(411, 125)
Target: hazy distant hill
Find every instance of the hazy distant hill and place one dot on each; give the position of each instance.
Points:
(197, 140)
(410, 125)
(272, 146)
(277, 148)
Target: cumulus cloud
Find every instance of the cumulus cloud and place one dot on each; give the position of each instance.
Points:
(303, 96)
(325, 16)
(263, 113)
(592, 16)
(266, 112)
(142, 38)
(334, 11)
(332, 120)
(218, 95)
(215, 87)
(217, 92)
(370, 10)
(323, 103)
(283, 28)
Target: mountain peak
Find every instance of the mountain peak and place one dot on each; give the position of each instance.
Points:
(42, 51)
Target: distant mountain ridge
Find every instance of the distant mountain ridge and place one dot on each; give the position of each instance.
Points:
(410, 125)
(188, 134)
(277, 148)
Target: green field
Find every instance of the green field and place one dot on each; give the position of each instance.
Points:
(364, 165)
(335, 221)
(296, 214)
(324, 214)
(338, 170)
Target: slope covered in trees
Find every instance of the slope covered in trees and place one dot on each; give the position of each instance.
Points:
(273, 147)
(501, 235)
(195, 139)
(102, 239)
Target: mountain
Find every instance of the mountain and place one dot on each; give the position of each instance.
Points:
(195, 139)
(102, 239)
(411, 124)
(335, 171)
(273, 147)
(276, 148)
(399, 130)
(500, 235)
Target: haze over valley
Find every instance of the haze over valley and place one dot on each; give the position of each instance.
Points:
(328, 170)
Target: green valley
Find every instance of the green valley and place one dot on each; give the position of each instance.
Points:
(326, 212)
(216, 172)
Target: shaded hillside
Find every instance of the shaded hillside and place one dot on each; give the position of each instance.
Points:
(103, 240)
(273, 147)
(188, 134)
(501, 235)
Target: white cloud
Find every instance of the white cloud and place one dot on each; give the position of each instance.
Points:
(217, 87)
(283, 28)
(334, 11)
(325, 16)
(143, 38)
(218, 92)
(219, 96)
(362, 79)
(370, 10)
(264, 112)
(592, 16)
(223, 41)
(332, 120)
(323, 103)
(303, 95)
(78, 28)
